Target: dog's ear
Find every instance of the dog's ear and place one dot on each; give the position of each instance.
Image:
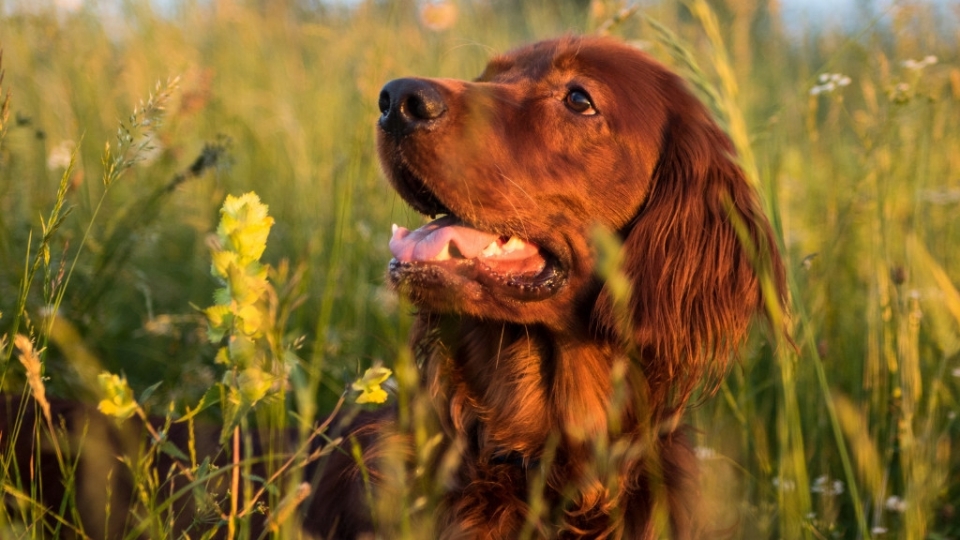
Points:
(695, 284)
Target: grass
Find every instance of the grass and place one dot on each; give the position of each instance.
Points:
(851, 435)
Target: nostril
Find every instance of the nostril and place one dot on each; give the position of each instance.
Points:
(424, 106)
(384, 102)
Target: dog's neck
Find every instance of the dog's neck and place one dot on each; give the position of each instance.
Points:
(508, 389)
(512, 398)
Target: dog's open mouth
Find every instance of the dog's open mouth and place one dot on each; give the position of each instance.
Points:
(448, 252)
(509, 264)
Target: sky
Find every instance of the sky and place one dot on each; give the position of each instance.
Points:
(797, 14)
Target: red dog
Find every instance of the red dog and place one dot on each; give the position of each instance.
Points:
(547, 383)
(518, 340)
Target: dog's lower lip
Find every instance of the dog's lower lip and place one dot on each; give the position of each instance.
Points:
(524, 288)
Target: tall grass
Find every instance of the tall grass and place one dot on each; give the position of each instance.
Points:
(850, 435)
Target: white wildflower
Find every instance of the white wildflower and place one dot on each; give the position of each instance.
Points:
(823, 484)
(830, 82)
(895, 504)
(917, 65)
(818, 484)
(784, 485)
(704, 453)
(59, 157)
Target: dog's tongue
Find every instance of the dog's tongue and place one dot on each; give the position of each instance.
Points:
(446, 238)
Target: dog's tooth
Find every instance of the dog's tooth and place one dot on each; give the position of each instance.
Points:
(493, 248)
(393, 229)
(513, 244)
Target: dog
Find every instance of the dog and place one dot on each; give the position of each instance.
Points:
(537, 367)
(555, 371)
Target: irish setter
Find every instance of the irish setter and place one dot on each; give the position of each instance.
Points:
(557, 391)
(536, 366)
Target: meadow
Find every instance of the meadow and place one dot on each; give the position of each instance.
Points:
(124, 127)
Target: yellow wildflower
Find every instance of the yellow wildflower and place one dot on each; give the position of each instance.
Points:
(244, 226)
(118, 396)
(369, 385)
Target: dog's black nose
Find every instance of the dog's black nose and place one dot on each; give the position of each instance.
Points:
(409, 104)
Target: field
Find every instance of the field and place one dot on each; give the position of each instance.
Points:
(126, 125)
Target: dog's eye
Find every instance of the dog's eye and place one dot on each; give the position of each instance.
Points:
(579, 101)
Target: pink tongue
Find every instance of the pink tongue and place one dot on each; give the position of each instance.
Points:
(428, 242)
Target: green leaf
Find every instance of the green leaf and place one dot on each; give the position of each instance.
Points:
(242, 351)
(171, 449)
(147, 392)
(212, 397)
(221, 296)
(234, 410)
(253, 384)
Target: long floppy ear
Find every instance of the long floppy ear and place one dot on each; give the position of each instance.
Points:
(695, 288)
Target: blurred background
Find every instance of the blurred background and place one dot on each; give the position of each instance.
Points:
(849, 109)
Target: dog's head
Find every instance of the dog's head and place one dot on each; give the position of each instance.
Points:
(550, 141)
